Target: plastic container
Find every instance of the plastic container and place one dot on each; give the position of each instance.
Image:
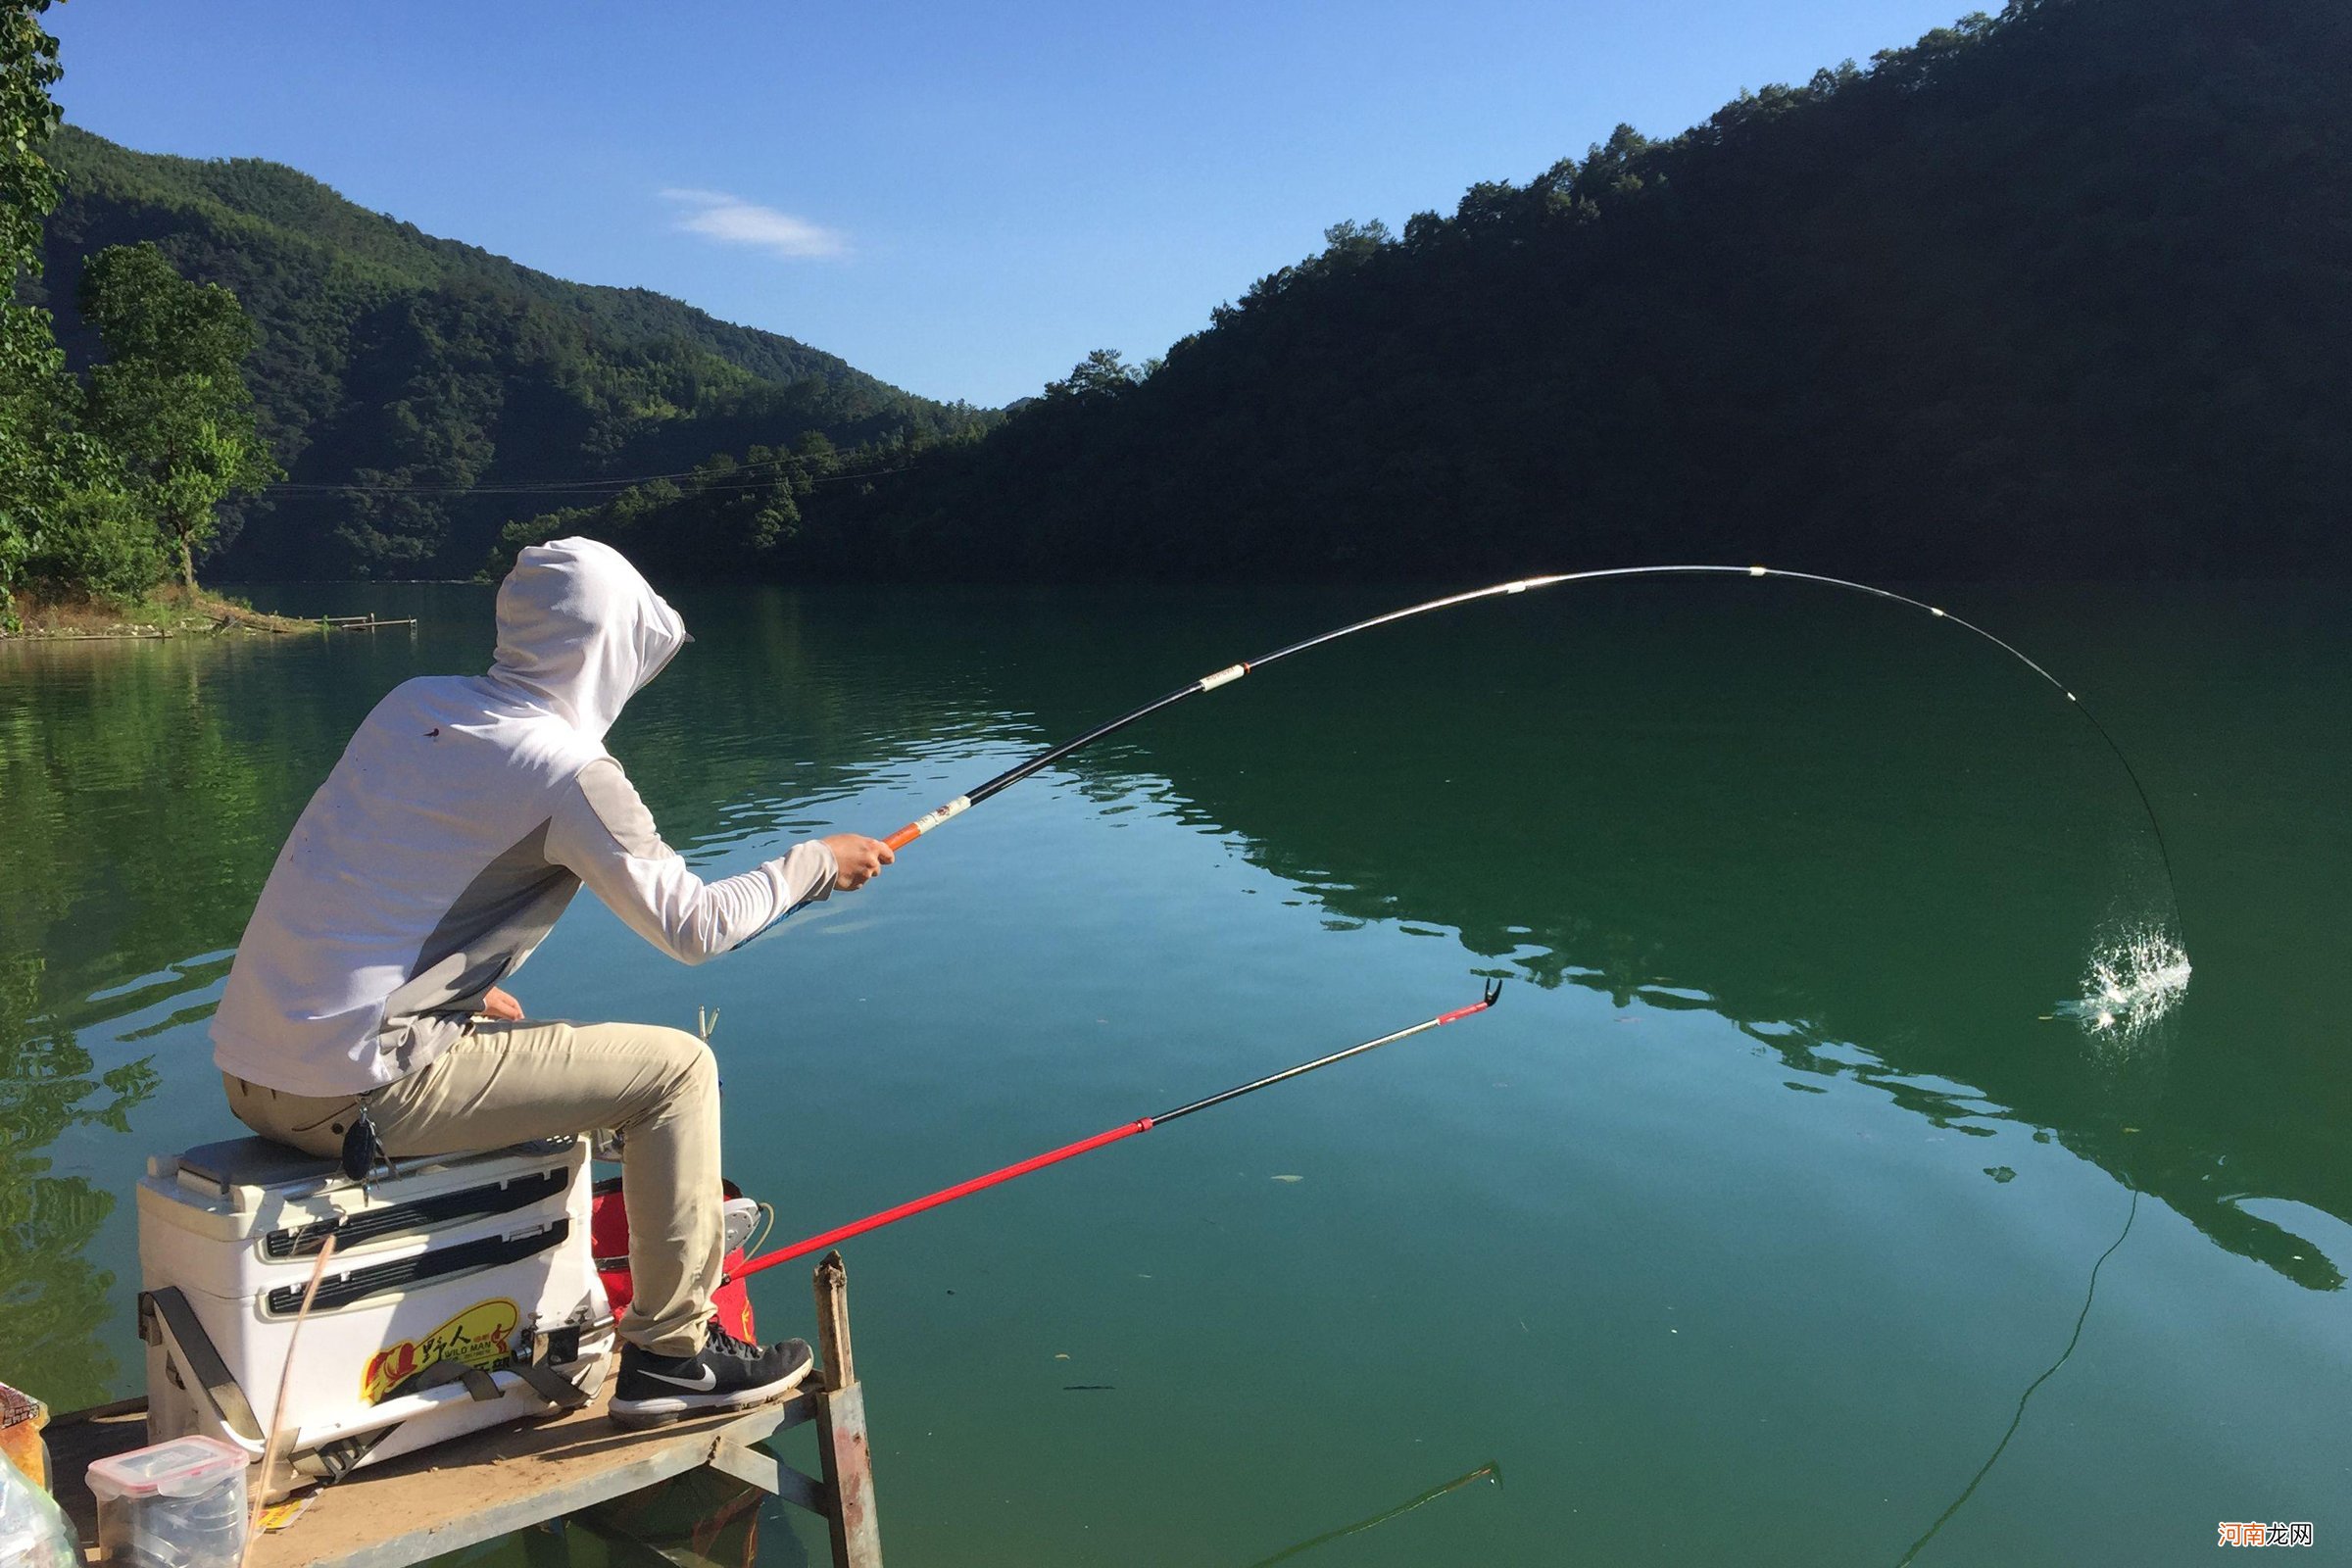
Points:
(176, 1505)
(33, 1534)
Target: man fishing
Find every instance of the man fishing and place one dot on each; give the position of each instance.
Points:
(364, 1011)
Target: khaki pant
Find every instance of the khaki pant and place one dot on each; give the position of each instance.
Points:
(508, 1083)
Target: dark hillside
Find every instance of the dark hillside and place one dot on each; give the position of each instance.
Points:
(2065, 292)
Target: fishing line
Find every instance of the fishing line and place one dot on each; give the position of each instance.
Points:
(1232, 672)
(2090, 1293)
(1492, 1471)
(1055, 1157)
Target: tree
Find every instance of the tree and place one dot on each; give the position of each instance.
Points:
(1102, 374)
(66, 527)
(31, 366)
(1349, 243)
(171, 399)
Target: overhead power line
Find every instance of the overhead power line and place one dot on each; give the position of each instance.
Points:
(739, 478)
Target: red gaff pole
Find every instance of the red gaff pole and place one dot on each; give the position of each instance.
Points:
(945, 1195)
(1055, 1157)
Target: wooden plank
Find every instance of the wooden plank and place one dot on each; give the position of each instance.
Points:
(477, 1488)
(460, 1493)
(841, 1439)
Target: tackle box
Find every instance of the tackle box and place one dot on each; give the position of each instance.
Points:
(458, 1286)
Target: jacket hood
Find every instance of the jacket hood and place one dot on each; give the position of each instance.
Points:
(581, 631)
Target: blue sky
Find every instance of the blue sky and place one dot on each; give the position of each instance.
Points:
(960, 199)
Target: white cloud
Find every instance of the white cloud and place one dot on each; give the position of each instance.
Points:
(731, 221)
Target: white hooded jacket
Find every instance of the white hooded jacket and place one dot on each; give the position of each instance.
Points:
(461, 818)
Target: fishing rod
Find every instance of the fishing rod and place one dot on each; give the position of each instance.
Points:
(1055, 1157)
(1232, 672)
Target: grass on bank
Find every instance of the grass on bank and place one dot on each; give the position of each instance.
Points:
(168, 612)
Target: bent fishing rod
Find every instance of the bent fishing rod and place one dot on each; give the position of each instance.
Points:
(1232, 672)
(1129, 1129)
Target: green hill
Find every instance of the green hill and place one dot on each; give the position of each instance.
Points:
(2065, 292)
(425, 368)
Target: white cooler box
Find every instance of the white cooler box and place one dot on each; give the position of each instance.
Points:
(456, 1290)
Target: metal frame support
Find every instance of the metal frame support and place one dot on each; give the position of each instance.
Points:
(841, 1439)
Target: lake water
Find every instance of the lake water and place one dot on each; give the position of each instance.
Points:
(1738, 1233)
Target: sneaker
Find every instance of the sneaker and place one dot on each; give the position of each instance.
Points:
(727, 1375)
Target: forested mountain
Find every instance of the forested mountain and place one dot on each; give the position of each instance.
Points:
(421, 367)
(2065, 292)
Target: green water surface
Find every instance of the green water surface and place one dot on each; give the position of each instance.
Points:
(1735, 1235)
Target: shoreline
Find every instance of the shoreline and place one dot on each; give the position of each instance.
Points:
(158, 619)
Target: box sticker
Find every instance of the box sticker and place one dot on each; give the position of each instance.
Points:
(477, 1336)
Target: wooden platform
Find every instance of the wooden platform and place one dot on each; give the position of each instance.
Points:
(463, 1493)
(510, 1477)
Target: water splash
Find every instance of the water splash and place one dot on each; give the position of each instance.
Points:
(2133, 984)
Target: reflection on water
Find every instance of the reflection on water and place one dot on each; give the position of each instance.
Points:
(53, 1292)
(702, 1519)
(1853, 845)
(1734, 1234)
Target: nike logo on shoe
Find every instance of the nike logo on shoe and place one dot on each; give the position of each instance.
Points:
(702, 1384)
